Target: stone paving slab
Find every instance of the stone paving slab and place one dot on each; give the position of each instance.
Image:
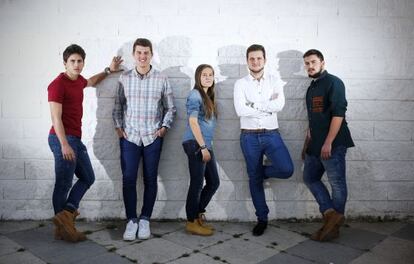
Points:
(391, 250)
(198, 258)
(358, 239)
(196, 242)
(286, 259)
(324, 252)
(156, 250)
(239, 251)
(407, 232)
(23, 257)
(41, 243)
(106, 258)
(386, 228)
(276, 238)
(8, 246)
(7, 227)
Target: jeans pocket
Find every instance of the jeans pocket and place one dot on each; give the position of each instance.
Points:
(191, 147)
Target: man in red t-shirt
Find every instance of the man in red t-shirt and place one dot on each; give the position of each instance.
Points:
(65, 96)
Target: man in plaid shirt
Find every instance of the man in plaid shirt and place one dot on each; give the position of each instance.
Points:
(143, 112)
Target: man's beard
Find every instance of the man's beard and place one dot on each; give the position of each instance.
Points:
(316, 75)
(258, 71)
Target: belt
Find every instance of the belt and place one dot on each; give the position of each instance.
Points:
(260, 130)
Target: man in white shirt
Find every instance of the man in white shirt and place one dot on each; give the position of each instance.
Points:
(257, 99)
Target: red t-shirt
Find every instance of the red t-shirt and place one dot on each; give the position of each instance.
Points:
(69, 93)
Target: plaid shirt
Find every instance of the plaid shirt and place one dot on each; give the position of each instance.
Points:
(143, 104)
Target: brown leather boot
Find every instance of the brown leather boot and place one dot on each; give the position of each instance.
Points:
(202, 221)
(64, 221)
(317, 235)
(333, 221)
(196, 229)
(58, 233)
(81, 236)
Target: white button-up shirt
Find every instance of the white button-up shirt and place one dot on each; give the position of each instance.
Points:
(258, 101)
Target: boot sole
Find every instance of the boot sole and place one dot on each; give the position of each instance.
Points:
(198, 234)
(67, 235)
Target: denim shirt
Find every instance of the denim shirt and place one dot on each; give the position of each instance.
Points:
(195, 108)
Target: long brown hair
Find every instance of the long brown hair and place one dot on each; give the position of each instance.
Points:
(209, 102)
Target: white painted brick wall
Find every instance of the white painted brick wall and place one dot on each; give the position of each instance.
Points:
(369, 44)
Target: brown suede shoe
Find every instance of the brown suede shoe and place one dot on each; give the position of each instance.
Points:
(333, 221)
(64, 221)
(196, 229)
(202, 221)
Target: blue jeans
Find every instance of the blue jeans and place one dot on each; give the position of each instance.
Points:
(64, 171)
(130, 157)
(199, 197)
(254, 145)
(335, 170)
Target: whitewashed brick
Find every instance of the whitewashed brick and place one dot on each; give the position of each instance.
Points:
(380, 110)
(175, 190)
(395, 131)
(39, 169)
(295, 88)
(366, 190)
(102, 149)
(26, 209)
(36, 128)
(377, 208)
(99, 129)
(293, 110)
(392, 170)
(27, 189)
(361, 130)
(395, 8)
(228, 150)
(11, 128)
(365, 8)
(27, 148)
(11, 169)
(387, 151)
(225, 192)
(232, 170)
(400, 191)
(379, 89)
(224, 89)
(299, 8)
(104, 191)
(226, 109)
(227, 130)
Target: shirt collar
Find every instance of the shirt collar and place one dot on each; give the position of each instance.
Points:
(251, 78)
(142, 76)
(323, 75)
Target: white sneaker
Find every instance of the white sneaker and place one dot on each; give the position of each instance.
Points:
(144, 231)
(130, 231)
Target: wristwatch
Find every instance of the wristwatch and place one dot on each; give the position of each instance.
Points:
(107, 70)
(203, 146)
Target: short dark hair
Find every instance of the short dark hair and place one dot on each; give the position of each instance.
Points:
(73, 49)
(314, 52)
(255, 47)
(142, 42)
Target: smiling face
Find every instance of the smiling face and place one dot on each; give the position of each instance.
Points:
(314, 65)
(74, 65)
(256, 61)
(142, 56)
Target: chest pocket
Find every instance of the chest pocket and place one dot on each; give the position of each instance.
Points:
(317, 104)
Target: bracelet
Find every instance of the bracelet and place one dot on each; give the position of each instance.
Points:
(107, 71)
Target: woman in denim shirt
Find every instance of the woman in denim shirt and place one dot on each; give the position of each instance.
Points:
(197, 144)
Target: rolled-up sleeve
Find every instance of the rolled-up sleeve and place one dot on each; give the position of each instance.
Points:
(193, 104)
(168, 103)
(120, 104)
(337, 99)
